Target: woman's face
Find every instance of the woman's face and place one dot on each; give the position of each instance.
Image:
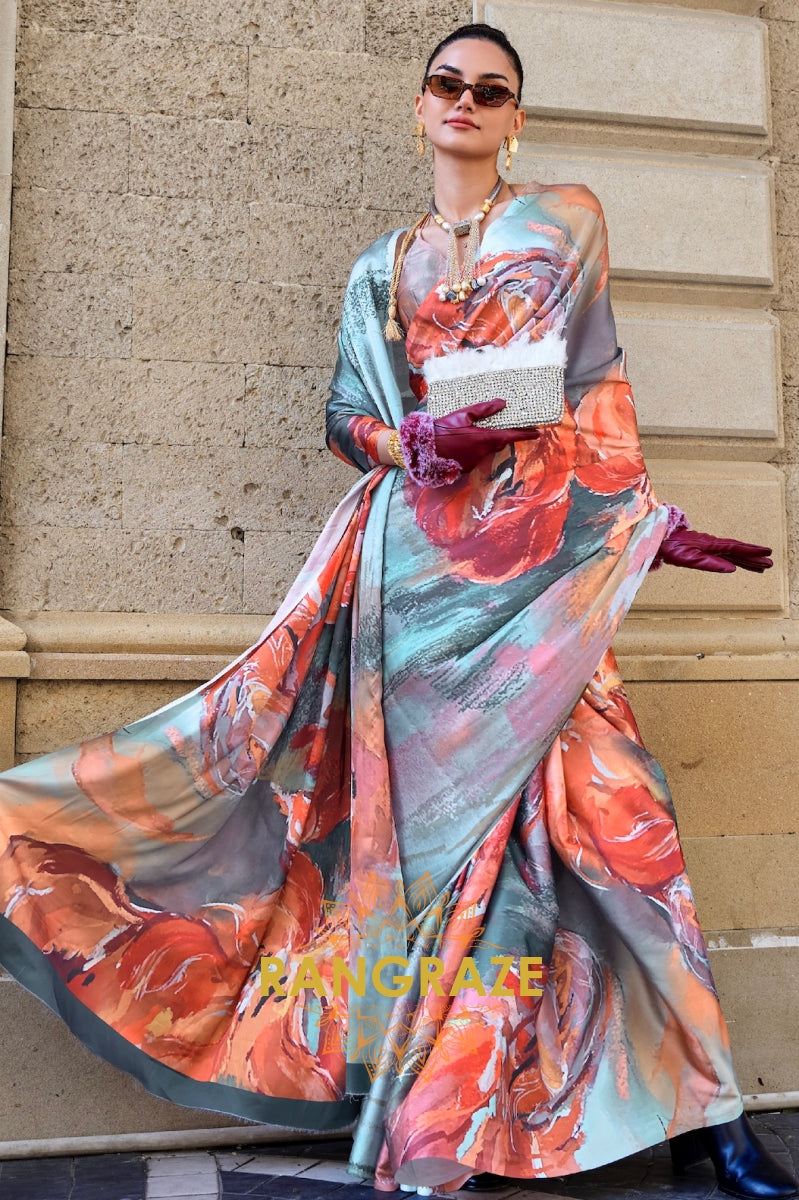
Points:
(461, 126)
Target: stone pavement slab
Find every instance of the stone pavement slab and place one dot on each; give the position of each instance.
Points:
(316, 1170)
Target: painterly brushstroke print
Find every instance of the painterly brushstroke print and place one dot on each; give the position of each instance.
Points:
(429, 752)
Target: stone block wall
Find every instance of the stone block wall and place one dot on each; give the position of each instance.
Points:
(191, 183)
(190, 190)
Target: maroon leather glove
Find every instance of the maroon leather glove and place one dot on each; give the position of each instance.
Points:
(458, 437)
(437, 452)
(704, 552)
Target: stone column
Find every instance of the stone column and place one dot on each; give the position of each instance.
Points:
(669, 113)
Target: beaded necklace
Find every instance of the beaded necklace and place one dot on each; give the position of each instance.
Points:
(461, 280)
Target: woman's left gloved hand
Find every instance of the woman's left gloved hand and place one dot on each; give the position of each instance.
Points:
(704, 552)
(686, 547)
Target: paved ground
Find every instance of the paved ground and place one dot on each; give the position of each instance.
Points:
(317, 1171)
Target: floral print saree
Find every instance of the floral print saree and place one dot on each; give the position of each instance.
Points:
(406, 860)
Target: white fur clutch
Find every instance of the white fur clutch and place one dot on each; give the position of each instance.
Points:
(527, 375)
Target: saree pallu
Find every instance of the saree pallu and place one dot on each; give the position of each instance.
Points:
(423, 778)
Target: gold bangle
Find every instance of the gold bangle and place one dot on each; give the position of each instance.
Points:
(394, 448)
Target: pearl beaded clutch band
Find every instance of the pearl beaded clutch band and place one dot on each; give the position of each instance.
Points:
(528, 376)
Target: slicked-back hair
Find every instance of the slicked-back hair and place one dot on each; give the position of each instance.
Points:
(485, 33)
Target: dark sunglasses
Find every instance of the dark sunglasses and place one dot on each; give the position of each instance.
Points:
(487, 95)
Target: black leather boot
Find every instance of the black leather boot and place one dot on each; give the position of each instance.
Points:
(744, 1168)
(486, 1183)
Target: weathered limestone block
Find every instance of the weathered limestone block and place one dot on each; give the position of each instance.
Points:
(117, 571)
(783, 48)
(781, 10)
(130, 74)
(199, 238)
(7, 55)
(730, 499)
(789, 327)
(740, 8)
(322, 167)
(60, 568)
(177, 570)
(787, 182)
(180, 156)
(75, 1093)
(12, 636)
(338, 25)
(5, 236)
(14, 664)
(788, 258)
(785, 120)
(8, 717)
(357, 88)
(85, 316)
(271, 563)
(792, 494)
(729, 752)
(225, 21)
(232, 161)
(219, 487)
(790, 451)
(96, 16)
(744, 882)
(61, 483)
(285, 406)
(211, 321)
(702, 372)
(753, 982)
(395, 29)
(668, 66)
(53, 713)
(129, 235)
(293, 243)
(59, 149)
(125, 400)
(396, 178)
(672, 216)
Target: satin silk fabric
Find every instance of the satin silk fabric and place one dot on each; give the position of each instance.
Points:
(427, 755)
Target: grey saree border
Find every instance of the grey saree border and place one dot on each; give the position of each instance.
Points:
(29, 966)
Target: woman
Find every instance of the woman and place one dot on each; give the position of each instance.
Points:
(425, 780)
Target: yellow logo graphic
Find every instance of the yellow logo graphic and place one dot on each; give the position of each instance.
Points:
(308, 977)
(385, 1010)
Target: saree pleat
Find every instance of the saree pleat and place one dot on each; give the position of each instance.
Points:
(420, 799)
(591, 880)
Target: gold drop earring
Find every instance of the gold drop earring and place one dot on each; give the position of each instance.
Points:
(511, 145)
(418, 133)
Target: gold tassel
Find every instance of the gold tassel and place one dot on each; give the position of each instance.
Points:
(393, 331)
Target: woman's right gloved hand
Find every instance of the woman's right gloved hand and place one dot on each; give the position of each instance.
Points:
(458, 437)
